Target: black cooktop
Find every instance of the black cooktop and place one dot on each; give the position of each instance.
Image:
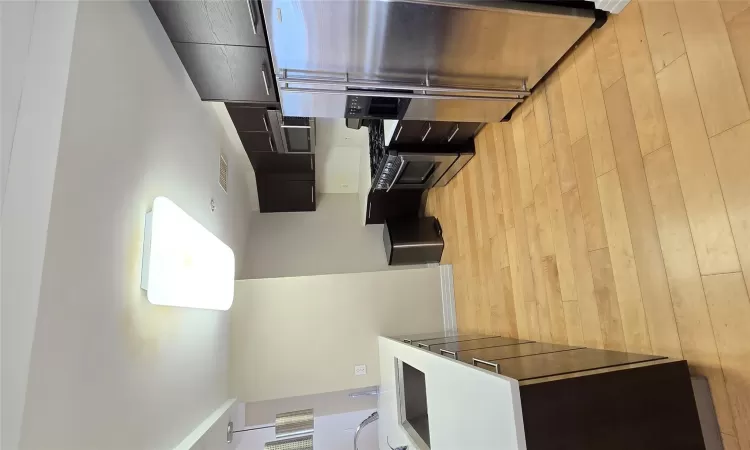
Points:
(377, 145)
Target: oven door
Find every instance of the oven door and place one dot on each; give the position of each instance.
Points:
(421, 171)
(292, 134)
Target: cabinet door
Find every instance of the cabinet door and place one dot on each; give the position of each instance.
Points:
(231, 22)
(248, 118)
(559, 363)
(257, 141)
(509, 351)
(302, 166)
(428, 343)
(279, 194)
(418, 131)
(462, 131)
(383, 205)
(228, 72)
(475, 344)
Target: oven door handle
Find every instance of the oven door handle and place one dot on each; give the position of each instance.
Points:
(398, 174)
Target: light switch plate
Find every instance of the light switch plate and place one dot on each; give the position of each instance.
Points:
(360, 370)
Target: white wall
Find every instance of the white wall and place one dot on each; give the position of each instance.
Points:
(109, 370)
(36, 48)
(330, 240)
(337, 154)
(304, 335)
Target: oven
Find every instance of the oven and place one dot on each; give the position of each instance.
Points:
(404, 170)
(292, 134)
(413, 166)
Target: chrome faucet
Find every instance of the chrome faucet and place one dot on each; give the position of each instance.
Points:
(372, 418)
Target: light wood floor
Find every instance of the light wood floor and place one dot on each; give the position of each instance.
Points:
(614, 209)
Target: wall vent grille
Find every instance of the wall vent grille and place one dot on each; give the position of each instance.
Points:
(223, 172)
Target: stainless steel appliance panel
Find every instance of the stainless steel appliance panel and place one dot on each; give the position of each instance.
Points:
(499, 44)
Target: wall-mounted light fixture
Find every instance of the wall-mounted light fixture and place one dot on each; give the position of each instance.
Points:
(184, 264)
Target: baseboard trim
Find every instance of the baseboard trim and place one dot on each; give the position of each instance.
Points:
(448, 298)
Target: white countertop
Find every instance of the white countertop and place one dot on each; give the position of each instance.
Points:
(468, 407)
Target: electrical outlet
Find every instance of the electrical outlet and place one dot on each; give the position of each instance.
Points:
(360, 370)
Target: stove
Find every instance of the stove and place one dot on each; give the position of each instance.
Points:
(413, 165)
(377, 145)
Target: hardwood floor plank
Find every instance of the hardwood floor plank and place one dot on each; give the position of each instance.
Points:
(597, 122)
(663, 32)
(729, 305)
(606, 300)
(541, 114)
(554, 301)
(730, 442)
(532, 151)
(623, 264)
(533, 319)
(522, 324)
(488, 175)
(608, 54)
(731, 8)
(592, 331)
(572, 99)
(573, 323)
(493, 173)
(487, 288)
(557, 224)
(537, 270)
(704, 202)
(502, 174)
(739, 35)
(657, 300)
(591, 208)
(478, 219)
(462, 217)
(714, 69)
(522, 162)
(731, 150)
(538, 186)
(639, 73)
(522, 274)
(506, 292)
(689, 301)
(560, 137)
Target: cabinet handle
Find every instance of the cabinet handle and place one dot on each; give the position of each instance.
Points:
(265, 123)
(265, 81)
(369, 210)
(252, 16)
(270, 143)
(453, 134)
(311, 163)
(448, 352)
(312, 194)
(476, 361)
(429, 128)
(400, 129)
(408, 341)
(421, 345)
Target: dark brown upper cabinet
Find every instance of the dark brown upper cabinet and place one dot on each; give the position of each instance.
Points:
(230, 22)
(228, 73)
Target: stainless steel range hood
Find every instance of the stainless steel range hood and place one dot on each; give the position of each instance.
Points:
(457, 60)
